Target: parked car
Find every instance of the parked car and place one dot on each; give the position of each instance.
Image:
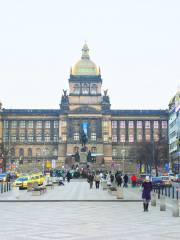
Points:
(156, 181)
(3, 177)
(38, 177)
(177, 178)
(166, 181)
(21, 182)
(141, 177)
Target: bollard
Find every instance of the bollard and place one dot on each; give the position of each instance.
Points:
(162, 190)
(175, 209)
(165, 191)
(177, 193)
(169, 191)
(1, 187)
(162, 204)
(173, 192)
(159, 193)
(153, 200)
(4, 186)
(119, 193)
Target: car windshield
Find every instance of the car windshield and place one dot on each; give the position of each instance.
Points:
(22, 179)
(3, 175)
(165, 178)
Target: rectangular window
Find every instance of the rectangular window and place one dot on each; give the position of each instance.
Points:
(76, 136)
(6, 124)
(122, 138)
(156, 124)
(47, 138)
(14, 124)
(147, 124)
(114, 152)
(156, 137)
(22, 138)
(63, 123)
(64, 138)
(55, 138)
(38, 138)
(5, 139)
(122, 124)
(93, 136)
(13, 138)
(114, 124)
(22, 124)
(139, 138)
(114, 138)
(30, 124)
(30, 138)
(164, 124)
(105, 138)
(139, 124)
(56, 124)
(47, 124)
(105, 123)
(131, 124)
(39, 124)
(148, 137)
(131, 138)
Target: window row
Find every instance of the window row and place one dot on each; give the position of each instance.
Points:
(77, 137)
(38, 152)
(131, 138)
(139, 124)
(85, 88)
(31, 124)
(31, 138)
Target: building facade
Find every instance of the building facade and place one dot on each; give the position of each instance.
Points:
(174, 131)
(56, 135)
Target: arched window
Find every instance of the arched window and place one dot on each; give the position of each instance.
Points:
(76, 149)
(94, 89)
(38, 152)
(21, 152)
(12, 151)
(76, 88)
(55, 152)
(29, 152)
(85, 88)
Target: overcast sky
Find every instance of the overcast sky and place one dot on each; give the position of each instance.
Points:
(136, 44)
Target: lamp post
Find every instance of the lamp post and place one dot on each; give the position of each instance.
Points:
(123, 154)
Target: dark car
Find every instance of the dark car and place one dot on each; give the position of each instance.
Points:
(141, 178)
(157, 181)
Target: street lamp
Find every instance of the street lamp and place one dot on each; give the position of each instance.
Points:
(123, 151)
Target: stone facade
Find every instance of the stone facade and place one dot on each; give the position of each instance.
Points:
(46, 135)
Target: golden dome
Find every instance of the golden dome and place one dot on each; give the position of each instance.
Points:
(85, 66)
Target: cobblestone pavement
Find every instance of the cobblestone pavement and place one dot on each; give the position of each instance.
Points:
(75, 190)
(85, 220)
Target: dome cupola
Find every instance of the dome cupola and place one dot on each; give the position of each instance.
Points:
(85, 67)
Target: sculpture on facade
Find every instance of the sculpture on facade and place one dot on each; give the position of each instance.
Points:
(83, 140)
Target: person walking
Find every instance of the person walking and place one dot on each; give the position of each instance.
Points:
(68, 175)
(146, 193)
(90, 180)
(97, 179)
(133, 180)
(125, 179)
(112, 178)
(119, 179)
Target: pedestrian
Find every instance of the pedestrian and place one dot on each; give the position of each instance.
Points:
(119, 179)
(97, 179)
(112, 178)
(133, 180)
(146, 193)
(125, 179)
(68, 175)
(90, 179)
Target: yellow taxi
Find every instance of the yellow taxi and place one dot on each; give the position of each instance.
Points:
(38, 178)
(21, 181)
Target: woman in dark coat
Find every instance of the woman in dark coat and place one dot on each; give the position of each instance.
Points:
(146, 193)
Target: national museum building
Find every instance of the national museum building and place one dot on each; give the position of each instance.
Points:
(56, 135)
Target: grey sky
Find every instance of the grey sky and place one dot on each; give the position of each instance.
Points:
(136, 44)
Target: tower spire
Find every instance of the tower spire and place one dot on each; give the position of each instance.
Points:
(85, 51)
